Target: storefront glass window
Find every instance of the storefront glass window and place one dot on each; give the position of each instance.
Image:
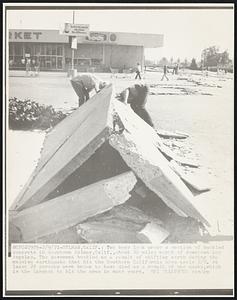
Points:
(37, 50)
(96, 62)
(42, 51)
(83, 62)
(11, 61)
(28, 49)
(48, 50)
(18, 61)
(59, 50)
(18, 49)
(42, 62)
(53, 62)
(54, 50)
(11, 49)
(50, 56)
(59, 63)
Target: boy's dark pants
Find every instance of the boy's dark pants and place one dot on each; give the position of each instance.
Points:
(81, 91)
(138, 75)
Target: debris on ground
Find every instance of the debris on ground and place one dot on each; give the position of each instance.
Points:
(105, 176)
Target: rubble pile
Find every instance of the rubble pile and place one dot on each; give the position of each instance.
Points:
(105, 176)
(189, 86)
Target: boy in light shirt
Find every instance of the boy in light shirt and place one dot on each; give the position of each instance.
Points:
(84, 84)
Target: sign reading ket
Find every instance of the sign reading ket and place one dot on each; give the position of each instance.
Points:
(25, 35)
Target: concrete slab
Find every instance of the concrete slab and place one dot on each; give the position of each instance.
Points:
(196, 184)
(102, 234)
(123, 223)
(70, 209)
(68, 146)
(141, 154)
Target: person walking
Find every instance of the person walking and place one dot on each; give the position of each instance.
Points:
(165, 70)
(138, 71)
(136, 95)
(84, 84)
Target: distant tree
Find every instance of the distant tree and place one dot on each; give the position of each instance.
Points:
(178, 61)
(212, 57)
(171, 60)
(199, 64)
(185, 63)
(224, 58)
(164, 61)
(193, 65)
(202, 64)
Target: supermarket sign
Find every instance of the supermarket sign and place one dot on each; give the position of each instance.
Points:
(32, 36)
(24, 35)
(76, 29)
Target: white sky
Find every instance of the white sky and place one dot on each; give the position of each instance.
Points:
(186, 32)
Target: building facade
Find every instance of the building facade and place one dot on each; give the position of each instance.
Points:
(99, 51)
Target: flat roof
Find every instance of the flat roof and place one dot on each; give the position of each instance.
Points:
(95, 37)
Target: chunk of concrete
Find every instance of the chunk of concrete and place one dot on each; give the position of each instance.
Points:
(67, 146)
(132, 123)
(195, 183)
(155, 233)
(70, 209)
(123, 223)
(126, 213)
(138, 149)
(96, 232)
(169, 134)
(65, 236)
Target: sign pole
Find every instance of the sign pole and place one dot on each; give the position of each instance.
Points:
(73, 22)
(73, 31)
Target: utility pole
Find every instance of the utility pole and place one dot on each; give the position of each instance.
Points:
(73, 22)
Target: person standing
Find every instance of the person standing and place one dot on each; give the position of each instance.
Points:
(174, 70)
(32, 67)
(165, 73)
(84, 84)
(28, 66)
(177, 69)
(136, 95)
(138, 71)
(37, 67)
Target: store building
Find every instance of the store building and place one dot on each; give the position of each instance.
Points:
(99, 51)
